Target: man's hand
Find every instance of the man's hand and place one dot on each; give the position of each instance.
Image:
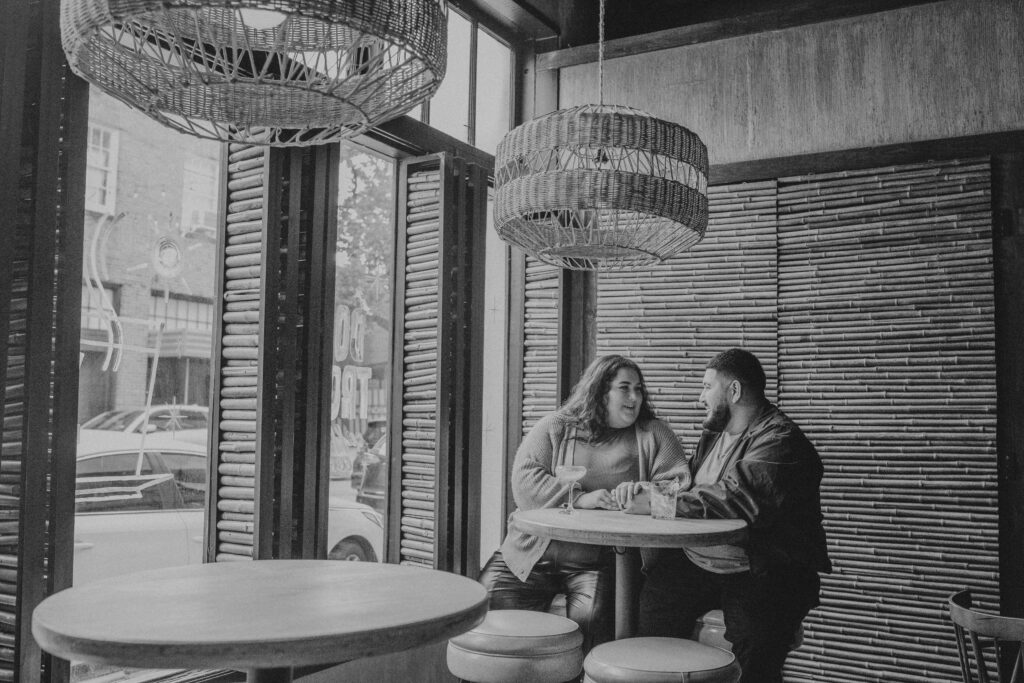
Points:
(601, 498)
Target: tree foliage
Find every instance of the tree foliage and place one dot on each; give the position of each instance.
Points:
(365, 234)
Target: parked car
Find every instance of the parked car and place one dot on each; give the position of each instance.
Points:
(373, 480)
(162, 418)
(144, 510)
(187, 423)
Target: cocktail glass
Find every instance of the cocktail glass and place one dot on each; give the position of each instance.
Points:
(570, 474)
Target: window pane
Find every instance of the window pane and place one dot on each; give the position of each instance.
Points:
(101, 169)
(199, 198)
(494, 73)
(144, 364)
(361, 374)
(449, 108)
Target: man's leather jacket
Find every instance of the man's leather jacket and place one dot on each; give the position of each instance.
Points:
(772, 484)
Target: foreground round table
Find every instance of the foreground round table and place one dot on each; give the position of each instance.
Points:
(621, 530)
(263, 617)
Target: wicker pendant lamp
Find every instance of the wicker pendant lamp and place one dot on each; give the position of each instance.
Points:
(601, 187)
(274, 72)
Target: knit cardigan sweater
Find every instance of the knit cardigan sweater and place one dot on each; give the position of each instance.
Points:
(535, 486)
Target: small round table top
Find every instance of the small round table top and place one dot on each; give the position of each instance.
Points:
(614, 528)
(259, 614)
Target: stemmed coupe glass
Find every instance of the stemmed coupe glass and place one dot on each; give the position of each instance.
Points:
(570, 474)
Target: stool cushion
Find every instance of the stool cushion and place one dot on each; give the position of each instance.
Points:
(659, 660)
(510, 646)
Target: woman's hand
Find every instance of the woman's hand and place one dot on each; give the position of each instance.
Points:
(592, 500)
(625, 492)
(633, 497)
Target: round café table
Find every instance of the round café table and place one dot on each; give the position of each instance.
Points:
(263, 617)
(621, 530)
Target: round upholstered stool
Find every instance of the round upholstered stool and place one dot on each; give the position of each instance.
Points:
(710, 630)
(518, 646)
(659, 660)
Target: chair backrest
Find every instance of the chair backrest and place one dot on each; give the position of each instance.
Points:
(989, 645)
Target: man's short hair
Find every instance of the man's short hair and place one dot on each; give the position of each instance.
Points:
(741, 365)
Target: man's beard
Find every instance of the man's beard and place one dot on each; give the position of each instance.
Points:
(718, 418)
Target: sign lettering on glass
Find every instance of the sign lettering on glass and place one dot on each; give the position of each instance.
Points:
(350, 383)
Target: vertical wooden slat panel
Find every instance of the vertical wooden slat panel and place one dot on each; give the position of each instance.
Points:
(269, 493)
(441, 242)
(236, 469)
(420, 365)
(43, 122)
(672, 318)
(540, 342)
(887, 362)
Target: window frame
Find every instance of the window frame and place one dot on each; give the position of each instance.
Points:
(109, 171)
(503, 38)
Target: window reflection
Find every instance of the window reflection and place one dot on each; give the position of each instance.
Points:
(361, 372)
(144, 363)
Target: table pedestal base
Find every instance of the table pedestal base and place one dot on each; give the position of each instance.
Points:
(626, 575)
(282, 675)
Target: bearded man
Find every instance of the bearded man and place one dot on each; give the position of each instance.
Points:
(752, 463)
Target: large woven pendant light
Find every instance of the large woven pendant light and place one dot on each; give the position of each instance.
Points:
(601, 187)
(275, 72)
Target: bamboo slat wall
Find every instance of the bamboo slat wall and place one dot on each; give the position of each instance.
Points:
(43, 132)
(236, 449)
(540, 342)
(420, 368)
(877, 286)
(887, 361)
(12, 450)
(672, 318)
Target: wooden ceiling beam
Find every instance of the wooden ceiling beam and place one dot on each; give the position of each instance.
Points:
(797, 13)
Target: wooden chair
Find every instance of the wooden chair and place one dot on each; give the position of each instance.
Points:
(988, 644)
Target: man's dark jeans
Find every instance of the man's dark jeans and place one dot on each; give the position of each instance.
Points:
(762, 612)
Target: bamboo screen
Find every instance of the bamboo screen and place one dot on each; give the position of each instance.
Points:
(275, 347)
(880, 299)
(15, 286)
(540, 342)
(237, 403)
(672, 318)
(420, 365)
(440, 323)
(887, 360)
(43, 133)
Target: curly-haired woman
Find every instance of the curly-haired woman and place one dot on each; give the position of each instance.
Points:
(608, 426)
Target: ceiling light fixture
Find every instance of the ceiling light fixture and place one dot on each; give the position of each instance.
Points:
(601, 187)
(273, 72)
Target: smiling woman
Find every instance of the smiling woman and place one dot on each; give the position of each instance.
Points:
(608, 427)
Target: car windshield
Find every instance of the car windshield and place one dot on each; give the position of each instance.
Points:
(116, 420)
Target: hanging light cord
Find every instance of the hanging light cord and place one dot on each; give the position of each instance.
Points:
(600, 55)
